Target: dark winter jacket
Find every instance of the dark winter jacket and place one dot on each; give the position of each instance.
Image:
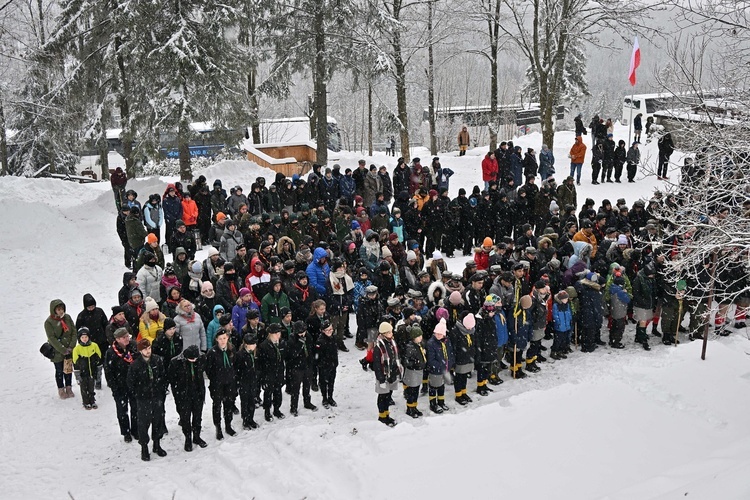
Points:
(245, 370)
(463, 342)
(486, 339)
(385, 361)
(167, 348)
(300, 354)
(220, 369)
(440, 356)
(271, 363)
(186, 380)
(96, 321)
(117, 362)
(147, 379)
(643, 291)
(326, 353)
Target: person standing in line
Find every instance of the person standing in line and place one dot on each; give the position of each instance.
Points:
(148, 383)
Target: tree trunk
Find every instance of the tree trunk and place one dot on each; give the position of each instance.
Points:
(321, 98)
(103, 148)
(125, 134)
(493, 27)
(545, 109)
(183, 146)
(400, 74)
(252, 95)
(431, 81)
(369, 118)
(3, 143)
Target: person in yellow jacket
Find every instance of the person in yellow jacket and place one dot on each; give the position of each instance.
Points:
(87, 357)
(152, 320)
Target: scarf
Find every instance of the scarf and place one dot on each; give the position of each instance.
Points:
(127, 357)
(189, 319)
(233, 290)
(304, 291)
(170, 282)
(138, 308)
(385, 358)
(63, 325)
(338, 279)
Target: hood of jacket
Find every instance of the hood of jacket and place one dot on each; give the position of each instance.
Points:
(88, 300)
(126, 277)
(280, 245)
(319, 254)
(53, 305)
(217, 308)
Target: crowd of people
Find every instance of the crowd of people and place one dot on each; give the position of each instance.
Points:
(267, 311)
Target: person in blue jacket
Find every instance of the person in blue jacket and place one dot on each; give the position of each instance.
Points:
(318, 270)
(214, 326)
(347, 186)
(562, 325)
(440, 362)
(172, 207)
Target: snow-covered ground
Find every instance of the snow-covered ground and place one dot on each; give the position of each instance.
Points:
(622, 424)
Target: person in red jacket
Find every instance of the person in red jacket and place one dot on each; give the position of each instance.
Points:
(482, 255)
(189, 211)
(489, 169)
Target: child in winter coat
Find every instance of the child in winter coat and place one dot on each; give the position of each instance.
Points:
(540, 297)
(245, 371)
(462, 338)
(326, 362)
(359, 287)
(415, 360)
(214, 325)
(486, 344)
(440, 362)
(562, 325)
(519, 333)
(86, 359)
(388, 370)
(619, 299)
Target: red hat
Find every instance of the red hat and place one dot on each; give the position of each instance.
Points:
(393, 236)
(433, 193)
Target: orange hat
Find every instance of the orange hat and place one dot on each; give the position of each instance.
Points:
(221, 216)
(151, 238)
(487, 242)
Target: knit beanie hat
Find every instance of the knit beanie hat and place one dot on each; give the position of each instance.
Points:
(415, 332)
(469, 321)
(455, 298)
(526, 302)
(410, 255)
(385, 327)
(169, 323)
(441, 327)
(622, 240)
(244, 291)
(441, 313)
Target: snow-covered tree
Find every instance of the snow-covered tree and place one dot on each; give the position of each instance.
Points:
(573, 84)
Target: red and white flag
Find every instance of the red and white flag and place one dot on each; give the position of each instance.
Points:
(635, 61)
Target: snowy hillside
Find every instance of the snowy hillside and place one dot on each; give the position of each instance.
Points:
(624, 424)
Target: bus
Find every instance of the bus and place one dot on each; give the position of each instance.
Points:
(648, 104)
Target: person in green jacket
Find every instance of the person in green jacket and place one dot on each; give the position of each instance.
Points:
(273, 302)
(61, 335)
(135, 230)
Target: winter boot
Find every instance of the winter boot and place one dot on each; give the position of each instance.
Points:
(412, 413)
(387, 420)
(417, 412)
(198, 441)
(219, 434)
(69, 392)
(533, 367)
(466, 397)
(555, 355)
(61, 392)
(128, 438)
(460, 400)
(268, 416)
(434, 408)
(646, 347)
(188, 442)
(654, 331)
(738, 325)
(158, 450)
(618, 345)
(441, 404)
(277, 413)
(364, 364)
(425, 389)
(314, 385)
(228, 428)
(294, 411)
(332, 402)
(541, 358)
(310, 406)
(145, 455)
(326, 405)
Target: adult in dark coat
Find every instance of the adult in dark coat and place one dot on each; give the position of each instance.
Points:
(271, 357)
(401, 175)
(247, 379)
(117, 361)
(222, 384)
(300, 357)
(148, 383)
(95, 319)
(590, 299)
(189, 391)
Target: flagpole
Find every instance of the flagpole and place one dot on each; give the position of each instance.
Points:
(630, 121)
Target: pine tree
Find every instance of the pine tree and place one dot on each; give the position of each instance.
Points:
(573, 85)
